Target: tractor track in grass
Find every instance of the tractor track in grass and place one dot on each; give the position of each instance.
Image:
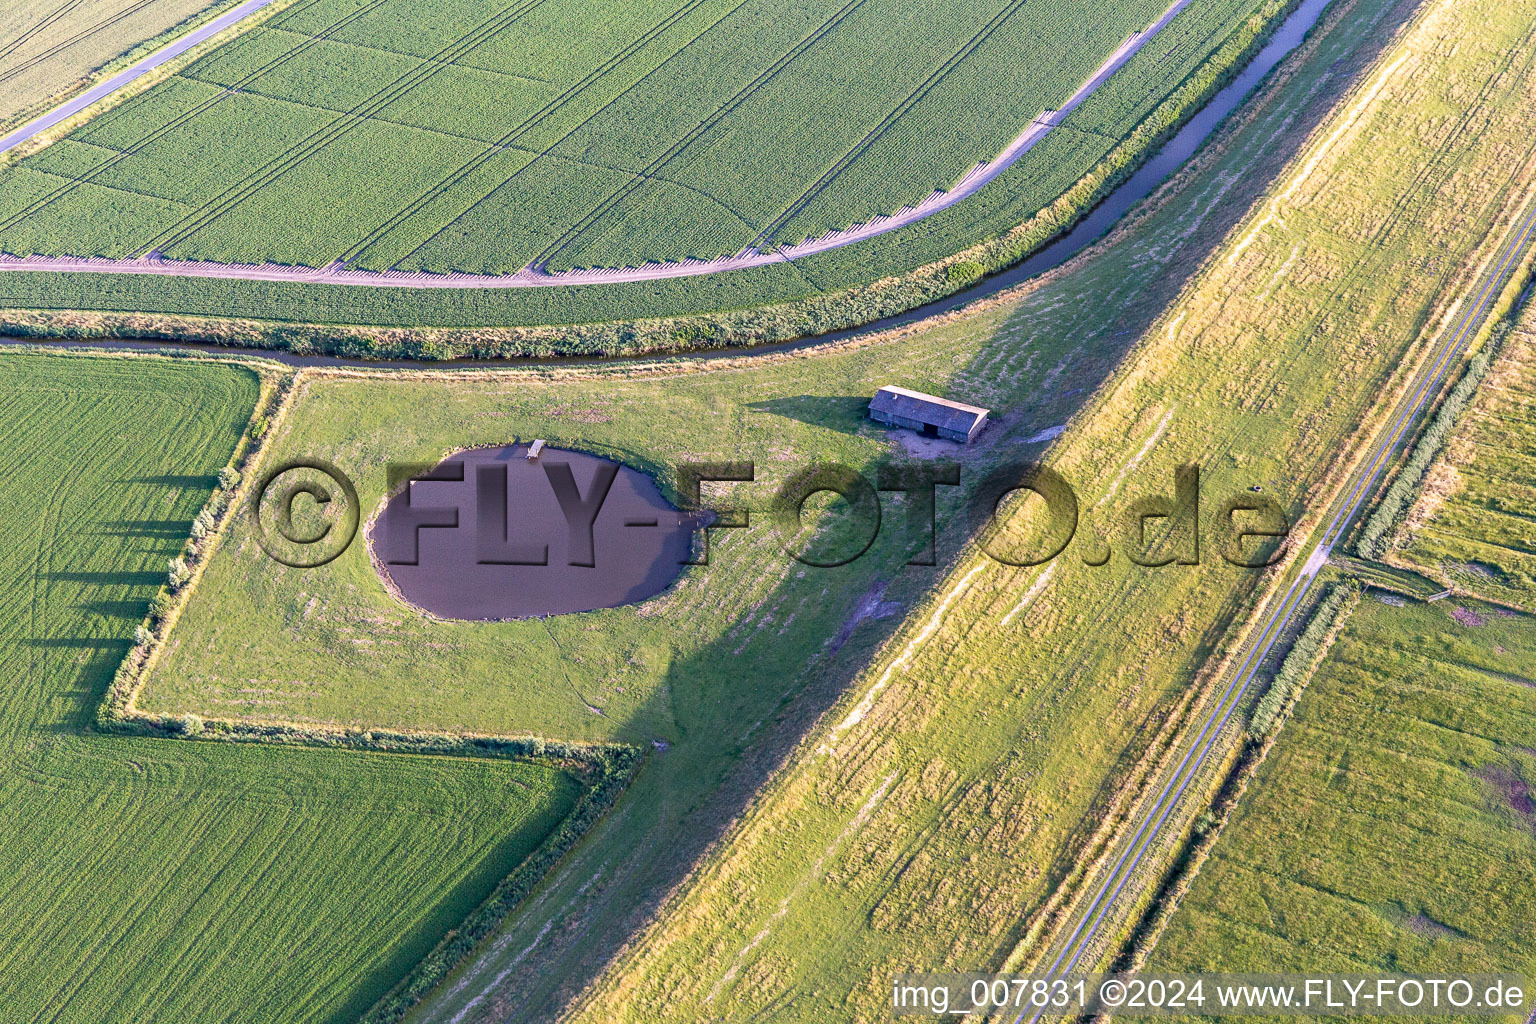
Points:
(535, 275)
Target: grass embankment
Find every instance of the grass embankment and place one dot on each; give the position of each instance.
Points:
(1471, 528)
(1392, 827)
(177, 881)
(1420, 641)
(1019, 708)
(946, 800)
(451, 207)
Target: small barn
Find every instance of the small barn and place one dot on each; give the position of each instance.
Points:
(933, 416)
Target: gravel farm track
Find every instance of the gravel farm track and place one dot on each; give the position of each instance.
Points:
(120, 81)
(537, 276)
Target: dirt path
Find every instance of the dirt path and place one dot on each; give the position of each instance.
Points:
(536, 277)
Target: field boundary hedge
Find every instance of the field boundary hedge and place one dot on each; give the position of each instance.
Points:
(1306, 653)
(604, 769)
(760, 324)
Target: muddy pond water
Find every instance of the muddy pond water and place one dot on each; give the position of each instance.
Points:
(490, 534)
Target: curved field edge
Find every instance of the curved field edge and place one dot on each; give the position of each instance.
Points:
(757, 253)
(604, 769)
(753, 307)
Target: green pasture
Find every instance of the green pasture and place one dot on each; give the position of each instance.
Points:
(1392, 827)
(175, 881)
(1473, 528)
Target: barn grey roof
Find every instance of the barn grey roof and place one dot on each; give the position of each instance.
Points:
(914, 405)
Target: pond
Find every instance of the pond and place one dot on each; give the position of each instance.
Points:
(491, 534)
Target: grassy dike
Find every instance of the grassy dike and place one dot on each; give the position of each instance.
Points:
(1414, 740)
(1004, 700)
(1266, 718)
(944, 799)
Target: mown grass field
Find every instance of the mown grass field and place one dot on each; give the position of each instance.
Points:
(1474, 528)
(1392, 827)
(47, 46)
(965, 785)
(159, 880)
(397, 134)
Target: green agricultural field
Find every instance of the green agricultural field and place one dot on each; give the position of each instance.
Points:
(49, 46)
(173, 881)
(572, 134)
(1392, 827)
(1473, 527)
(997, 699)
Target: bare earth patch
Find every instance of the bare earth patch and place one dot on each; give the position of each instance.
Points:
(1467, 617)
(1512, 789)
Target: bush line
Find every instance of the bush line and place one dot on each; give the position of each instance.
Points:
(115, 713)
(1303, 657)
(1206, 827)
(1376, 535)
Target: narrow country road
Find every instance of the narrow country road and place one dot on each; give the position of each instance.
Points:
(1118, 888)
(124, 78)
